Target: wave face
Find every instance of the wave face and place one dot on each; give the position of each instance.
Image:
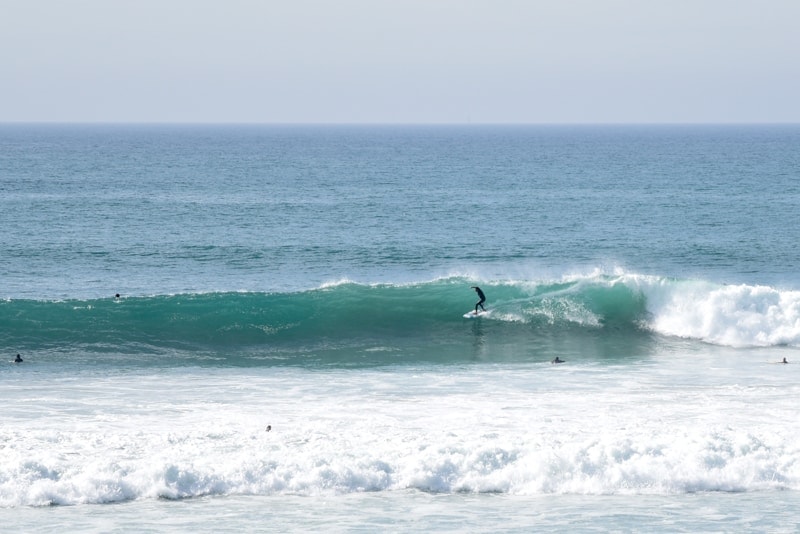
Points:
(382, 320)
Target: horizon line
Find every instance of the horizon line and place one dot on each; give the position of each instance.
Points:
(370, 123)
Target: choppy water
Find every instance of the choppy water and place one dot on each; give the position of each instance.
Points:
(314, 279)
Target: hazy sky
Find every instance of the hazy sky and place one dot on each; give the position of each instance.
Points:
(393, 61)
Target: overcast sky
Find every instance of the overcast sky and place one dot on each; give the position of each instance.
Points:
(400, 61)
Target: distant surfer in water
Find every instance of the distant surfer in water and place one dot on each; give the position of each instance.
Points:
(784, 360)
(557, 360)
(18, 359)
(480, 296)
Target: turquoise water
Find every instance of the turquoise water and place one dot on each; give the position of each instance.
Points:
(315, 279)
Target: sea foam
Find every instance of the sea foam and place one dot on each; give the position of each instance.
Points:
(732, 315)
(150, 466)
(526, 430)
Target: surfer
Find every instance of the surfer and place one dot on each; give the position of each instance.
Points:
(480, 296)
(784, 360)
(18, 359)
(557, 360)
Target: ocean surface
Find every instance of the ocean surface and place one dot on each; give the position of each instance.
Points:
(288, 349)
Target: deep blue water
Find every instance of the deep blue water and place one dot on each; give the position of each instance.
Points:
(89, 211)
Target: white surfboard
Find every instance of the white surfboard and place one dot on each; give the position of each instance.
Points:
(472, 315)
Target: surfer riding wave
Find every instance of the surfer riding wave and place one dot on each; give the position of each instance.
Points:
(482, 298)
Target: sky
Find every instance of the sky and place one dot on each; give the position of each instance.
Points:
(400, 61)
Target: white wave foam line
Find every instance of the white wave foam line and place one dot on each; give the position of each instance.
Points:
(335, 283)
(735, 315)
(188, 466)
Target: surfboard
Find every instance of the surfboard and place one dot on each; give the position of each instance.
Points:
(472, 315)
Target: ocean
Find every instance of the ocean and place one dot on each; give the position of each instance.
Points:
(261, 328)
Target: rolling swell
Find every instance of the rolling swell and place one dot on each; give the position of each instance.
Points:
(413, 319)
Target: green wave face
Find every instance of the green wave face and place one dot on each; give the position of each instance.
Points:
(346, 323)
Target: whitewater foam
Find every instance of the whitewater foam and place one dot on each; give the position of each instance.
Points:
(731, 315)
(509, 430)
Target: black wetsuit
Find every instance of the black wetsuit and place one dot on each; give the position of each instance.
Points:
(480, 296)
